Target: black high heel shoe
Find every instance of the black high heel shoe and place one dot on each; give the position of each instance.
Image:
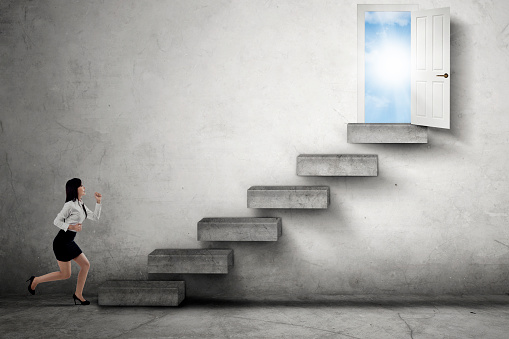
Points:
(74, 297)
(31, 279)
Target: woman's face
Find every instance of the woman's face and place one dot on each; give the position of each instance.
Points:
(81, 191)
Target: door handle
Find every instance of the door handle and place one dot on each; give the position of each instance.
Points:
(445, 75)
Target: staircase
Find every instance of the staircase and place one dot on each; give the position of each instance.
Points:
(190, 261)
(337, 165)
(219, 261)
(239, 229)
(309, 197)
(141, 293)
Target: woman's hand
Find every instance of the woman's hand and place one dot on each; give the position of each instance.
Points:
(98, 197)
(75, 227)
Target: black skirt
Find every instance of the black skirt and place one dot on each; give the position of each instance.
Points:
(64, 246)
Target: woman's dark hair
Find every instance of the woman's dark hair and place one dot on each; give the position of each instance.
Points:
(71, 191)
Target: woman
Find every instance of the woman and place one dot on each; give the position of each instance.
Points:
(69, 220)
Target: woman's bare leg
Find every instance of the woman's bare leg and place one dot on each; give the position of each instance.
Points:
(82, 276)
(65, 273)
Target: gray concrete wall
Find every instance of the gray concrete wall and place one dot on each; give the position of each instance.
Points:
(173, 109)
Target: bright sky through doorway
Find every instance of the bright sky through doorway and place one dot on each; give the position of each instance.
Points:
(387, 67)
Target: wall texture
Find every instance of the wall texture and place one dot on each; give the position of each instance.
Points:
(173, 109)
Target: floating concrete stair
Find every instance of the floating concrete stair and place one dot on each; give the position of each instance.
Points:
(337, 165)
(386, 134)
(239, 229)
(306, 197)
(141, 293)
(199, 261)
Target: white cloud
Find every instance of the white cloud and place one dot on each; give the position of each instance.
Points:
(388, 18)
(376, 102)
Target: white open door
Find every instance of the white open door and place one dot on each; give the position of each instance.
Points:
(430, 89)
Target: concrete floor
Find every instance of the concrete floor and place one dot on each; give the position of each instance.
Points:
(55, 316)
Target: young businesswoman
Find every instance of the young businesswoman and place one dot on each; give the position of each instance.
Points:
(70, 220)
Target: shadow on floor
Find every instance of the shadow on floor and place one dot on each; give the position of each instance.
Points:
(359, 301)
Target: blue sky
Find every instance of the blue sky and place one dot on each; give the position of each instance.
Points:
(387, 67)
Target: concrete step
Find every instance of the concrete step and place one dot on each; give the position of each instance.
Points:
(239, 229)
(338, 165)
(386, 134)
(199, 261)
(141, 293)
(306, 197)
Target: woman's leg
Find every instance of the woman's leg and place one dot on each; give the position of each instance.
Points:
(65, 273)
(82, 276)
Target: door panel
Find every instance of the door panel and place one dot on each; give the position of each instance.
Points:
(421, 98)
(438, 43)
(420, 36)
(438, 100)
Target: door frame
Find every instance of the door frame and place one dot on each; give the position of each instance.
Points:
(361, 10)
